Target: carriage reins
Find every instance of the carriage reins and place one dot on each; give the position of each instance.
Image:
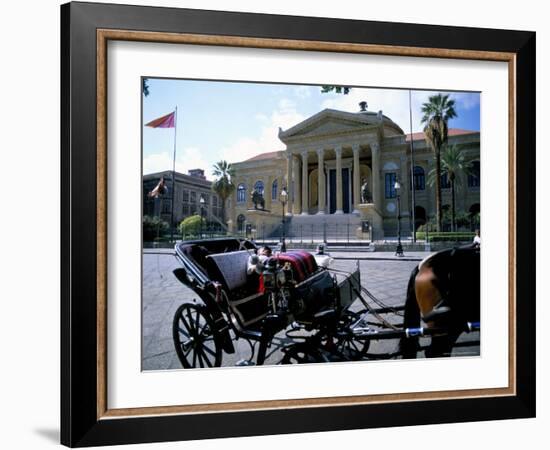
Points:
(364, 290)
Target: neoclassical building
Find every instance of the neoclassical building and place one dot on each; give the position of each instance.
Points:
(328, 158)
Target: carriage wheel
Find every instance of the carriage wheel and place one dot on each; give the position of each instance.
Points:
(351, 348)
(301, 354)
(196, 342)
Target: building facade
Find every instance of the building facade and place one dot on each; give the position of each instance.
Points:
(188, 189)
(327, 161)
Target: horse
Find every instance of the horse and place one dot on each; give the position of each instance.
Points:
(443, 291)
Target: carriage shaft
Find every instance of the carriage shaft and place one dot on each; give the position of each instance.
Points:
(369, 334)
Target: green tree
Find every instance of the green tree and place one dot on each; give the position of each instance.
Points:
(436, 114)
(145, 87)
(337, 89)
(453, 161)
(223, 184)
(190, 225)
(153, 227)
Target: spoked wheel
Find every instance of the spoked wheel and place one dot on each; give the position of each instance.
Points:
(350, 347)
(194, 337)
(302, 354)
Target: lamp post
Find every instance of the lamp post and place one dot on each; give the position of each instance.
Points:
(399, 249)
(283, 197)
(202, 202)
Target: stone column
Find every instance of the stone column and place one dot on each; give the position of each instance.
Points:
(339, 193)
(375, 149)
(356, 179)
(305, 184)
(321, 181)
(297, 187)
(289, 170)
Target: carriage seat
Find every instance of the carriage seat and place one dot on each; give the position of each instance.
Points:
(229, 269)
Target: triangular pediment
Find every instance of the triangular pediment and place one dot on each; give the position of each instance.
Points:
(329, 126)
(327, 122)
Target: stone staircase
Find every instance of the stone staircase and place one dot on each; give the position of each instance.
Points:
(327, 227)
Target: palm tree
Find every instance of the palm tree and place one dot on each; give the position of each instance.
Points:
(437, 112)
(453, 162)
(223, 184)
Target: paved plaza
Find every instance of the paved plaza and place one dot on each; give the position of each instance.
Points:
(381, 273)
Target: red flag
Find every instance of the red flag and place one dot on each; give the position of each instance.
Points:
(159, 190)
(167, 121)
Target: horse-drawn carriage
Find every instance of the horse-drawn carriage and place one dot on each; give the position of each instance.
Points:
(324, 313)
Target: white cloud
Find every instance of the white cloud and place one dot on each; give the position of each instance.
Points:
(303, 91)
(285, 116)
(467, 100)
(286, 106)
(186, 159)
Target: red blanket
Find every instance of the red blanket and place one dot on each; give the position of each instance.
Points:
(303, 263)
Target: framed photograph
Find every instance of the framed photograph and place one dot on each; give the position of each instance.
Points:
(279, 224)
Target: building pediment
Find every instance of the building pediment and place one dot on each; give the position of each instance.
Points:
(330, 122)
(330, 127)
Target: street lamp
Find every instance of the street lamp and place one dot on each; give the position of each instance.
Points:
(202, 201)
(283, 197)
(399, 249)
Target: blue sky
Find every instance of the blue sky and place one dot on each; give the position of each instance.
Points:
(235, 121)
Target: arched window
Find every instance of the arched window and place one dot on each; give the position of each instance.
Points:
(274, 192)
(473, 176)
(241, 193)
(259, 186)
(240, 223)
(419, 178)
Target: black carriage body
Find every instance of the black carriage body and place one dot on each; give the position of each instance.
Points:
(200, 272)
(216, 270)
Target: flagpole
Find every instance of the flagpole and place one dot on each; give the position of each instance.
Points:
(412, 173)
(174, 175)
